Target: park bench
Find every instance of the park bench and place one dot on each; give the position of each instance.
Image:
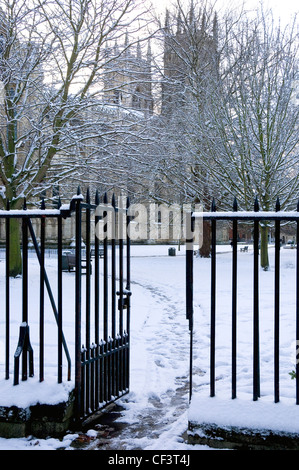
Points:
(101, 252)
(71, 262)
(244, 248)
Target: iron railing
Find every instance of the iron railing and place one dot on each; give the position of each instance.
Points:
(24, 349)
(101, 360)
(235, 217)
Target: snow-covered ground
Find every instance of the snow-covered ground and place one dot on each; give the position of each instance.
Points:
(156, 411)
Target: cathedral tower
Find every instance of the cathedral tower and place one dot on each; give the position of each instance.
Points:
(128, 77)
(190, 52)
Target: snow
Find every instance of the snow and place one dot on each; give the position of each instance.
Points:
(156, 411)
(229, 215)
(23, 396)
(242, 412)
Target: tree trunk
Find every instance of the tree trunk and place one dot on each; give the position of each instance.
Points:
(205, 249)
(264, 248)
(15, 258)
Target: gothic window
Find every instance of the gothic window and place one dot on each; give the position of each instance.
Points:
(55, 195)
(136, 100)
(117, 97)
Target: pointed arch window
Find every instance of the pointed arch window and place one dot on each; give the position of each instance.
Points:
(136, 100)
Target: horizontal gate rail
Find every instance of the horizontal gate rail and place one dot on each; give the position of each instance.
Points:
(235, 217)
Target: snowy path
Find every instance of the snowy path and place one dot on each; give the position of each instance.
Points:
(155, 411)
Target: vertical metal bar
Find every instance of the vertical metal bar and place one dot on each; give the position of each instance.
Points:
(88, 272)
(113, 295)
(256, 371)
(92, 378)
(37, 250)
(102, 371)
(87, 300)
(105, 299)
(213, 303)
(42, 294)
(96, 304)
(78, 308)
(113, 270)
(7, 295)
(189, 291)
(59, 303)
(128, 255)
(24, 287)
(83, 407)
(234, 304)
(297, 312)
(121, 293)
(276, 305)
(105, 272)
(128, 287)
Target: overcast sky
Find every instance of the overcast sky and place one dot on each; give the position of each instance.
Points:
(282, 9)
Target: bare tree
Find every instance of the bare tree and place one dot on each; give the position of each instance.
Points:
(236, 132)
(53, 56)
(250, 124)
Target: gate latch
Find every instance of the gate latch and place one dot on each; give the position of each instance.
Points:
(124, 301)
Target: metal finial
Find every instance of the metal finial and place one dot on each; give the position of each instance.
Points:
(213, 208)
(235, 205)
(277, 207)
(97, 198)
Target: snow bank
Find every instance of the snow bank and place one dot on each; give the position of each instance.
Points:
(244, 413)
(31, 392)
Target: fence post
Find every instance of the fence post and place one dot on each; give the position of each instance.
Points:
(7, 293)
(96, 303)
(78, 306)
(42, 295)
(213, 303)
(59, 306)
(128, 292)
(87, 303)
(276, 306)
(189, 291)
(234, 303)
(256, 371)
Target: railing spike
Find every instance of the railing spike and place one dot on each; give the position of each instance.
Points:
(43, 205)
(59, 203)
(88, 195)
(213, 206)
(256, 204)
(25, 204)
(78, 191)
(7, 205)
(97, 198)
(113, 200)
(235, 205)
(277, 207)
(105, 198)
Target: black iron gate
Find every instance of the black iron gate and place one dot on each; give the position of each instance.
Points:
(102, 356)
(101, 261)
